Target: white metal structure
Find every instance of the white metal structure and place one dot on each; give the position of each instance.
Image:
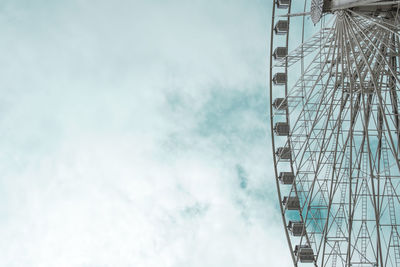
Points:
(335, 127)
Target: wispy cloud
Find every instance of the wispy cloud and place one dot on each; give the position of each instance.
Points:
(134, 133)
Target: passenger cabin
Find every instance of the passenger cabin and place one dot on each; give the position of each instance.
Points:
(281, 27)
(296, 228)
(279, 78)
(304, 253)
(283, 153)
(291, 203)
(281, 129)
(282, 3)
(286, 177)
(280, 52)
(280, 103)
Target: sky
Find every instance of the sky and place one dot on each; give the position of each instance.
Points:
(135, 133)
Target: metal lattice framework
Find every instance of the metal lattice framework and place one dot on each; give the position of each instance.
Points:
(334, 97)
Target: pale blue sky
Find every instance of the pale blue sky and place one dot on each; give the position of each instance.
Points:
(135, 133)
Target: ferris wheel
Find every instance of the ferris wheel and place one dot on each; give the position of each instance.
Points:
(335, 128)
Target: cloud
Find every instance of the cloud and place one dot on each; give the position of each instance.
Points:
(134, 134)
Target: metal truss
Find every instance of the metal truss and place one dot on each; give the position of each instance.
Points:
(341, 106)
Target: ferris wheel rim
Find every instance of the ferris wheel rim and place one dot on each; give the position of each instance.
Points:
(272, 122)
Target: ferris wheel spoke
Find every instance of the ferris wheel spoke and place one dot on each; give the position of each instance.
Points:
(354, 106)
(365, 3)
(333, 188)
(333, 221)
(376, 215)
(353, 113)
(380, 98)
(381, 23)
(367, 111)
(378, 50)
(393, 28)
